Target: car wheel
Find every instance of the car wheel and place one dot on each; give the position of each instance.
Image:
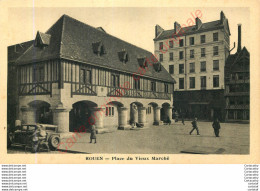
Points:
(54, 142)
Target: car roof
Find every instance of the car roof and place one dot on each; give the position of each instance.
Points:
(49, 125)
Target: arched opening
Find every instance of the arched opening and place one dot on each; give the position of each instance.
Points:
(134, 112)
(43, 114)
(80, 114)
(112, 114)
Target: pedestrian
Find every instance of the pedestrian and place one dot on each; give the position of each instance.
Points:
(38, 136)
(216, 127)
(168, 121)
(194, 125)
(182, 119)
(93, 133)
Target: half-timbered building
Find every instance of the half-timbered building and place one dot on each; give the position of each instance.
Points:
(75, 74)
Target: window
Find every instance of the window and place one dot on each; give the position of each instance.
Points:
(149, 110)
(216, 81)
(171, 44)
(166, 90)
(181, 83)
(202, 39)
(171, 69)
(161, 46)
(181, 42)
(203, 66)
(85, 76)
(192, 82)
(215, 50)
(215, 36)
(38, 74)
(202, 52)
(115, 80)
(110, 111)
(215, 65)
(203, 82)
(191, 40)
(192, 67)
(161, 57)
(181, 55)
(191, 53)
(137, 84)
(171, 56)
(153, 86)
(181, 68)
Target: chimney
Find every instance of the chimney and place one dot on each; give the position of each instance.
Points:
(239, 38)
(222, 16)
(158, 30)
(198, 23)
(177, 27)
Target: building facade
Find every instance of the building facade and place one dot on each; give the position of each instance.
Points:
(75, 75)
(237, 84)
(195, 57)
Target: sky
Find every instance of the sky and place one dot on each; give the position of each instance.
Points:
(134, 25)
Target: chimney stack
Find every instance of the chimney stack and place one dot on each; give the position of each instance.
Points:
(239, 38)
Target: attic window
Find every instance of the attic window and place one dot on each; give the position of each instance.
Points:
(157, 67)
(98, 48)
(123, 56)
(142, 62)
(42, 40)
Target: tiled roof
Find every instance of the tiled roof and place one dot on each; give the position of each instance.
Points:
(72, 39)
(15, 51)
(190, 30)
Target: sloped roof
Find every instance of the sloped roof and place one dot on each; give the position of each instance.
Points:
(72, 39)
(190, 30)
(15, 51)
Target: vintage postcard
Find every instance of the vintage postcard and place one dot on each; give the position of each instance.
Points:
(130, 82)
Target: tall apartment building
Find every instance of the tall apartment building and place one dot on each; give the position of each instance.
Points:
(237, 84)
(195, 57)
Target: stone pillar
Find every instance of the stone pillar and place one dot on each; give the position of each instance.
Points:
(142, 115)
(169, 112)
(61, 118)
(97, 117)
(134, 114)
(157, 115)
(28, 115)
(122, 117)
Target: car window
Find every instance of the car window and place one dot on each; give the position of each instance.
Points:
(50, 128)
(24, 128)
(31, 128)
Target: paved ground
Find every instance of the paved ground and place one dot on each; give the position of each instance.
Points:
(234, 139)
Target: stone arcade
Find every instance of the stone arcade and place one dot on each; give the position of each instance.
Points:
(75, 72)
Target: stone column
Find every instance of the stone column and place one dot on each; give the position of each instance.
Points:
(97, 117)
(28, 115)
(122, 117)
(157, 115)
(61, 118)
(142, 115)
(169, 112)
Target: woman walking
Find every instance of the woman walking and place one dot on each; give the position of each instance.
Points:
(216, 127)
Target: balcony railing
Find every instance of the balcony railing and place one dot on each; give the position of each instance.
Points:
(118, 92)
(37, 88)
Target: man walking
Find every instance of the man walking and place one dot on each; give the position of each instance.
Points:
(216, 127)
(194, 125)
(93, 133)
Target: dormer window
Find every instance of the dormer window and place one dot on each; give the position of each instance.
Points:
(42, 40)
(157, 66)
(123, 56)
(142, 62)
(98, 48)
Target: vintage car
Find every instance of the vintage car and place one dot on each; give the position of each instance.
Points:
(22, 135)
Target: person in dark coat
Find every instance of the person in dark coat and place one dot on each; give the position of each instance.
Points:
(93, 133)
(216, 127)
(194, 125)
(168, 121)
(182, 118)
